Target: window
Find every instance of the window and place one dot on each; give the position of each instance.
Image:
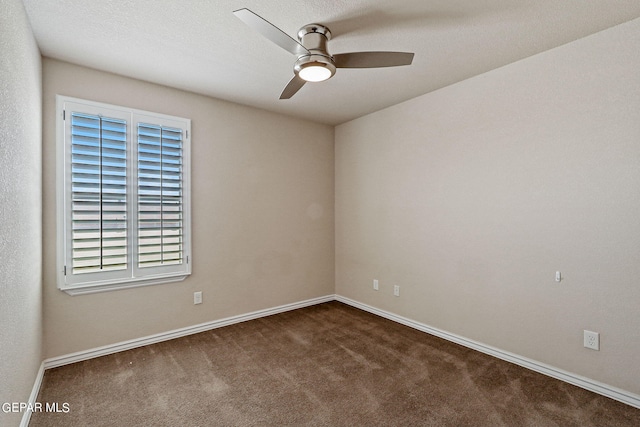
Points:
(123, 197)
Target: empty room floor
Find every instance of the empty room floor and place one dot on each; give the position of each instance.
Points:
(324, 365)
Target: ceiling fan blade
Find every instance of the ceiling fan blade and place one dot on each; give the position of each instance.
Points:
(270, 31)
(292, 87)
(372, 59)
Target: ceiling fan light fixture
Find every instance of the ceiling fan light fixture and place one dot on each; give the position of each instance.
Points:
(315, 72)
(314, 67)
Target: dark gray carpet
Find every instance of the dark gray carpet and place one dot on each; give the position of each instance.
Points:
(326, 365)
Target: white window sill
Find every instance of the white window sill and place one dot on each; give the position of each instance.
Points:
(106, 287)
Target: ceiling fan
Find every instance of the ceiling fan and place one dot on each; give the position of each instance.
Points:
(314, 63)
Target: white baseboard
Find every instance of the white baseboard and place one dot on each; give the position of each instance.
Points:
(33, 397)
(577, 380)
(54, 362)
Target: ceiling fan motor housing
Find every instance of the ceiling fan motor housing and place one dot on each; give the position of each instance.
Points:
(314, 37)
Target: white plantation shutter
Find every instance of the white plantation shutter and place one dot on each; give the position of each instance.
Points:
(160, 201)
(124, 206)
(98, 193)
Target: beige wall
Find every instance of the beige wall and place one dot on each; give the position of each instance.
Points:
(20, 208)
(472, 197)
(262, 201)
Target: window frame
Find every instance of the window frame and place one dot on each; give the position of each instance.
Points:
(133, 275)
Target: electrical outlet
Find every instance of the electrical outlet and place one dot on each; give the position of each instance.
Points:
(592, 340)
(197, 297)
(375, 285)
(396, 290)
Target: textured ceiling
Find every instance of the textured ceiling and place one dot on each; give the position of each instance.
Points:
(200, 46)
